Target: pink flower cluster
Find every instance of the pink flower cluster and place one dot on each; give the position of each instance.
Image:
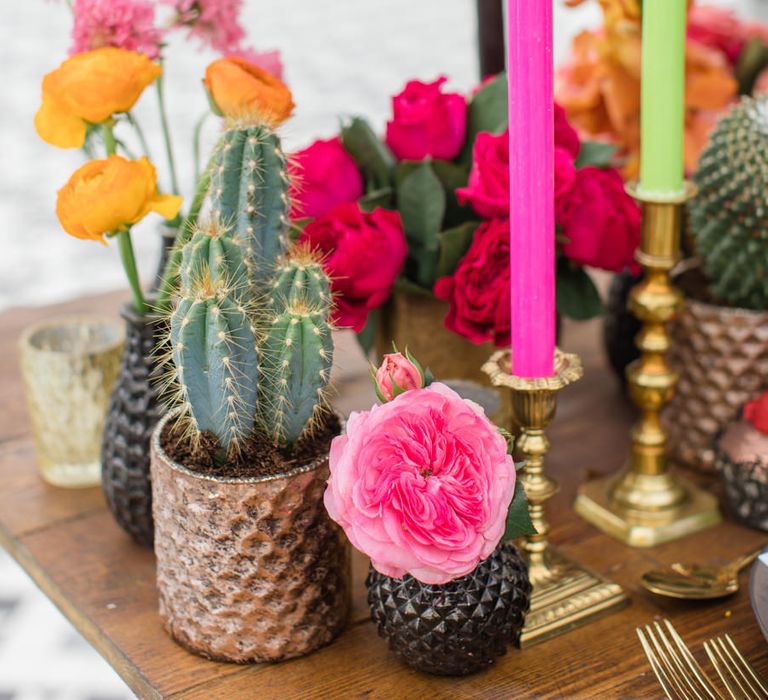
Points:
(215, 23)
(721, 29)
(422, 484)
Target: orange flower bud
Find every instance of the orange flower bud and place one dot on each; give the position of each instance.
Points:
(89, 88)
(242, 90)
(107, 195)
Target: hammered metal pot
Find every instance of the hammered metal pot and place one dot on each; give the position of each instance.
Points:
(248, 570)
(134, 411)
(721, 355)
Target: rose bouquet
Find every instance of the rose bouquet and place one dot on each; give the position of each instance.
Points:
(599, 86)
(424, 211)
(425, 486)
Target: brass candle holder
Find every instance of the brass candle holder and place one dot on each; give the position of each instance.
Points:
(565, 594)
(648, 504)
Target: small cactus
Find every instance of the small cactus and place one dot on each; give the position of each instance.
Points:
(213, 347)
(300, 277)
(249, 191)
(296, 356)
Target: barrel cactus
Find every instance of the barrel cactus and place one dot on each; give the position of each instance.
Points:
(729, 215)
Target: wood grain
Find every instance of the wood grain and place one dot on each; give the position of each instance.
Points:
(69, 544)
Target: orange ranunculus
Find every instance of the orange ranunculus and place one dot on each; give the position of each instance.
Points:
(89, 88)
(242, 90)
(107, 195)
(600, 86)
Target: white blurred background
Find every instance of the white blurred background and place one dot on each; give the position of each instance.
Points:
(341, 57)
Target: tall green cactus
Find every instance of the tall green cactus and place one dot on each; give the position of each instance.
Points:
(213, 346)
(300, 277)
(249, 191)
(296, 359)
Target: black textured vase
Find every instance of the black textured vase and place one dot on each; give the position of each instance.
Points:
(134, 410)
(620, 325)
(168, 238)
(459, 627)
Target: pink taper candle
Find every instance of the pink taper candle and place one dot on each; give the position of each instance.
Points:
(531, 185)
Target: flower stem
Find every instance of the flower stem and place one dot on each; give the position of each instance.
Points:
(167, 135)
(124, 243)
(139, 133)
(196, 143)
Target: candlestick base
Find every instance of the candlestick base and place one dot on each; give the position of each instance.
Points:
(565, 596)
(656, 519)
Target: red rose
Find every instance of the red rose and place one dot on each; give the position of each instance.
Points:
(325, 176)
(478, 292)
(756, 412)
(600, 221)
(427, 122)
(565, 135)
(488, 187)
(363, 254)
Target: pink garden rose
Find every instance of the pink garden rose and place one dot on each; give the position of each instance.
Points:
(427, 122)
(396, 374)
(326, 176)
(363, 253)
(422, 485)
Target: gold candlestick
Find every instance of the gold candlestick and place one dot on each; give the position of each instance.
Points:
(648, 504)
(565, 594)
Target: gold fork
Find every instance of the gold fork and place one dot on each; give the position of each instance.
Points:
(677, 671)
(737, 674)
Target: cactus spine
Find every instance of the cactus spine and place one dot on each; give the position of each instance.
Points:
(249, 191)
(300, 277)
(729, 216)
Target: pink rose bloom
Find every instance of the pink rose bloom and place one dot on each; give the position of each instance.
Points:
(397, 374)
(123, 24)
(216, 23)
(325, 176)
(422, 485)
(600, 220)
(488, 187)
(363, 253)
(268, 60)
(427, 122)
(718, 29)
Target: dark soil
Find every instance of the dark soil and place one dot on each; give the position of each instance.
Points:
(258, 457)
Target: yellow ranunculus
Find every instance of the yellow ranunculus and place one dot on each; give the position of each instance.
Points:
(89, 88)
(242, 90)
(107, 195)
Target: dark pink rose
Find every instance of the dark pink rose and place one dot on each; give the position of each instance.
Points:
(478, 291)
(565, 135)
(488, 187)
(427, 122)
(600, 220)
(363, 254)
(324, 175)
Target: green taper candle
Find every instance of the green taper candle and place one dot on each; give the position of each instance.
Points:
(662, 111)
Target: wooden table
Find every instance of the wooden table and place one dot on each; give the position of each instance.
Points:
(68, 543)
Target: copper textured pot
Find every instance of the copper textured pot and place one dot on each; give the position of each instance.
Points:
(248, 569)
(721, 355)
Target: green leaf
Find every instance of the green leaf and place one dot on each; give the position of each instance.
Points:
(575, 293)
(454, 244)
(486, 112)
(453, 176)
(518, 518)
(752, 60)
(377, 198)
(407, 286)
(595, 154)
(367, 336)
(372, 156)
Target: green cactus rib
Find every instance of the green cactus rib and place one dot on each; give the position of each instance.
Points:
(729, 215)
(300, 279)
(214, 350)
(296, 356)
(249, 191)
(212, 249)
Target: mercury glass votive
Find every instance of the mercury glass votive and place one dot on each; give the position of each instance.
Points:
(69, 366)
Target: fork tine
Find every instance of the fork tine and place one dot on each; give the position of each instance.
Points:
(737, 668)
(736, 671)
(702, 681)
(672, 660)
(749, 671)
(656, 667)
(723, 670)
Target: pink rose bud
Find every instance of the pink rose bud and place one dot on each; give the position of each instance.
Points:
(397, 374)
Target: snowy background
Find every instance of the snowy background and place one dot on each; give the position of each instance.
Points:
(341, 57)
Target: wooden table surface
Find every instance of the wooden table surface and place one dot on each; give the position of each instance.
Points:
(68, 543)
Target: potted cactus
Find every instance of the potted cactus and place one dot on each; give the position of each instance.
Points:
(720, 343)
(249, 565)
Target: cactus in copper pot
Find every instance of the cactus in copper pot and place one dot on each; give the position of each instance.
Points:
(729, 217)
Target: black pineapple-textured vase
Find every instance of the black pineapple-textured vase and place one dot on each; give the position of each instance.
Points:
(620, 325)
(134, 410)
(459, 627)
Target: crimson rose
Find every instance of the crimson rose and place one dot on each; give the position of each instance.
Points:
(427, 122)
(363, 253)
(478, 291)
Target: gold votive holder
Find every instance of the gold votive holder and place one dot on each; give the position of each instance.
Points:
(69, 366)
(565, 594)
(648, 503)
